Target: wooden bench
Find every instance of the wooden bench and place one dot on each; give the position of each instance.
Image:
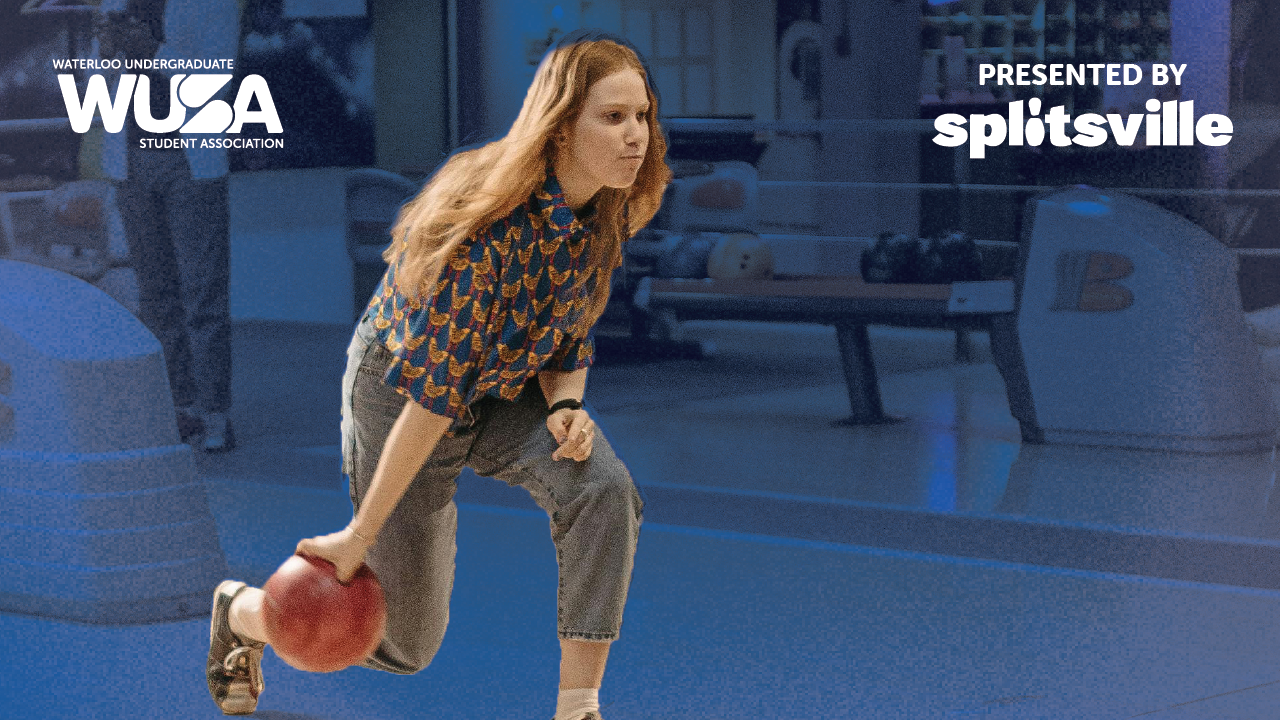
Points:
(848, 304)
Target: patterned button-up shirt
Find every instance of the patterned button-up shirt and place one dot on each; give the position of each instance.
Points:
(503, 309)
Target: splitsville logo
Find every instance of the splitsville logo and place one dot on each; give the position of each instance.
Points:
(1167, 123)
(186, 92)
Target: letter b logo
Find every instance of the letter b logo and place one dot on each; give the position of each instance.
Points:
(1085, 282)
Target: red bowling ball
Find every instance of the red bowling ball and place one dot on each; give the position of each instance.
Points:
(318, 624)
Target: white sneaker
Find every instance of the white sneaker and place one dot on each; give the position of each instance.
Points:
(218, 435)
(234, 670)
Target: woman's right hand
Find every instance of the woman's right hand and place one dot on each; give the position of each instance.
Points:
(344, 549)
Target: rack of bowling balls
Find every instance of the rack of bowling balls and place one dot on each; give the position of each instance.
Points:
(954, 257)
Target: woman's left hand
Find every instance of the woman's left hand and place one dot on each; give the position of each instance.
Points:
(575, 431)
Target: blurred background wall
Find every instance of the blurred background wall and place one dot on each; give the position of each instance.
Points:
(818, 90)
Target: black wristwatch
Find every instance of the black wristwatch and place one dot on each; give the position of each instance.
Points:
(567, 403)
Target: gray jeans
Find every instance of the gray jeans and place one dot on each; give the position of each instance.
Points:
(594, 507)
(177, 229)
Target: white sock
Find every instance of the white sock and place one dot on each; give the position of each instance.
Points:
(245, 615)
(574, 704)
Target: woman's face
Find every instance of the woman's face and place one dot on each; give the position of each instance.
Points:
(606, 144)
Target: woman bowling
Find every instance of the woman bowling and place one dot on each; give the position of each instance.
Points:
(474, 352)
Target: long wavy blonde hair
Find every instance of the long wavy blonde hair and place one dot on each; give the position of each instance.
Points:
(475, 188)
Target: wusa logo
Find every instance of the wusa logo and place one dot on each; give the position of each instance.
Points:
(186, 92)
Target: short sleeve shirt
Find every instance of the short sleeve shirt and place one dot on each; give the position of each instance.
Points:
(504, 309)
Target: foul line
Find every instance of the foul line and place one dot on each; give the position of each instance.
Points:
(1211, 697)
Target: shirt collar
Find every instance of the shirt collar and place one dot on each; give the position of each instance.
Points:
(549, 202)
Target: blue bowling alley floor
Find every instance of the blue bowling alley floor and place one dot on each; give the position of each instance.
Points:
(789, 566)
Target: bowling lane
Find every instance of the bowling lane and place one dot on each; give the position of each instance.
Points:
(732, 625)
(726, 624)
(956, 449)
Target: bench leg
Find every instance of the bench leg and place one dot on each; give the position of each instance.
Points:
(859, 374)
(1006, 351)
